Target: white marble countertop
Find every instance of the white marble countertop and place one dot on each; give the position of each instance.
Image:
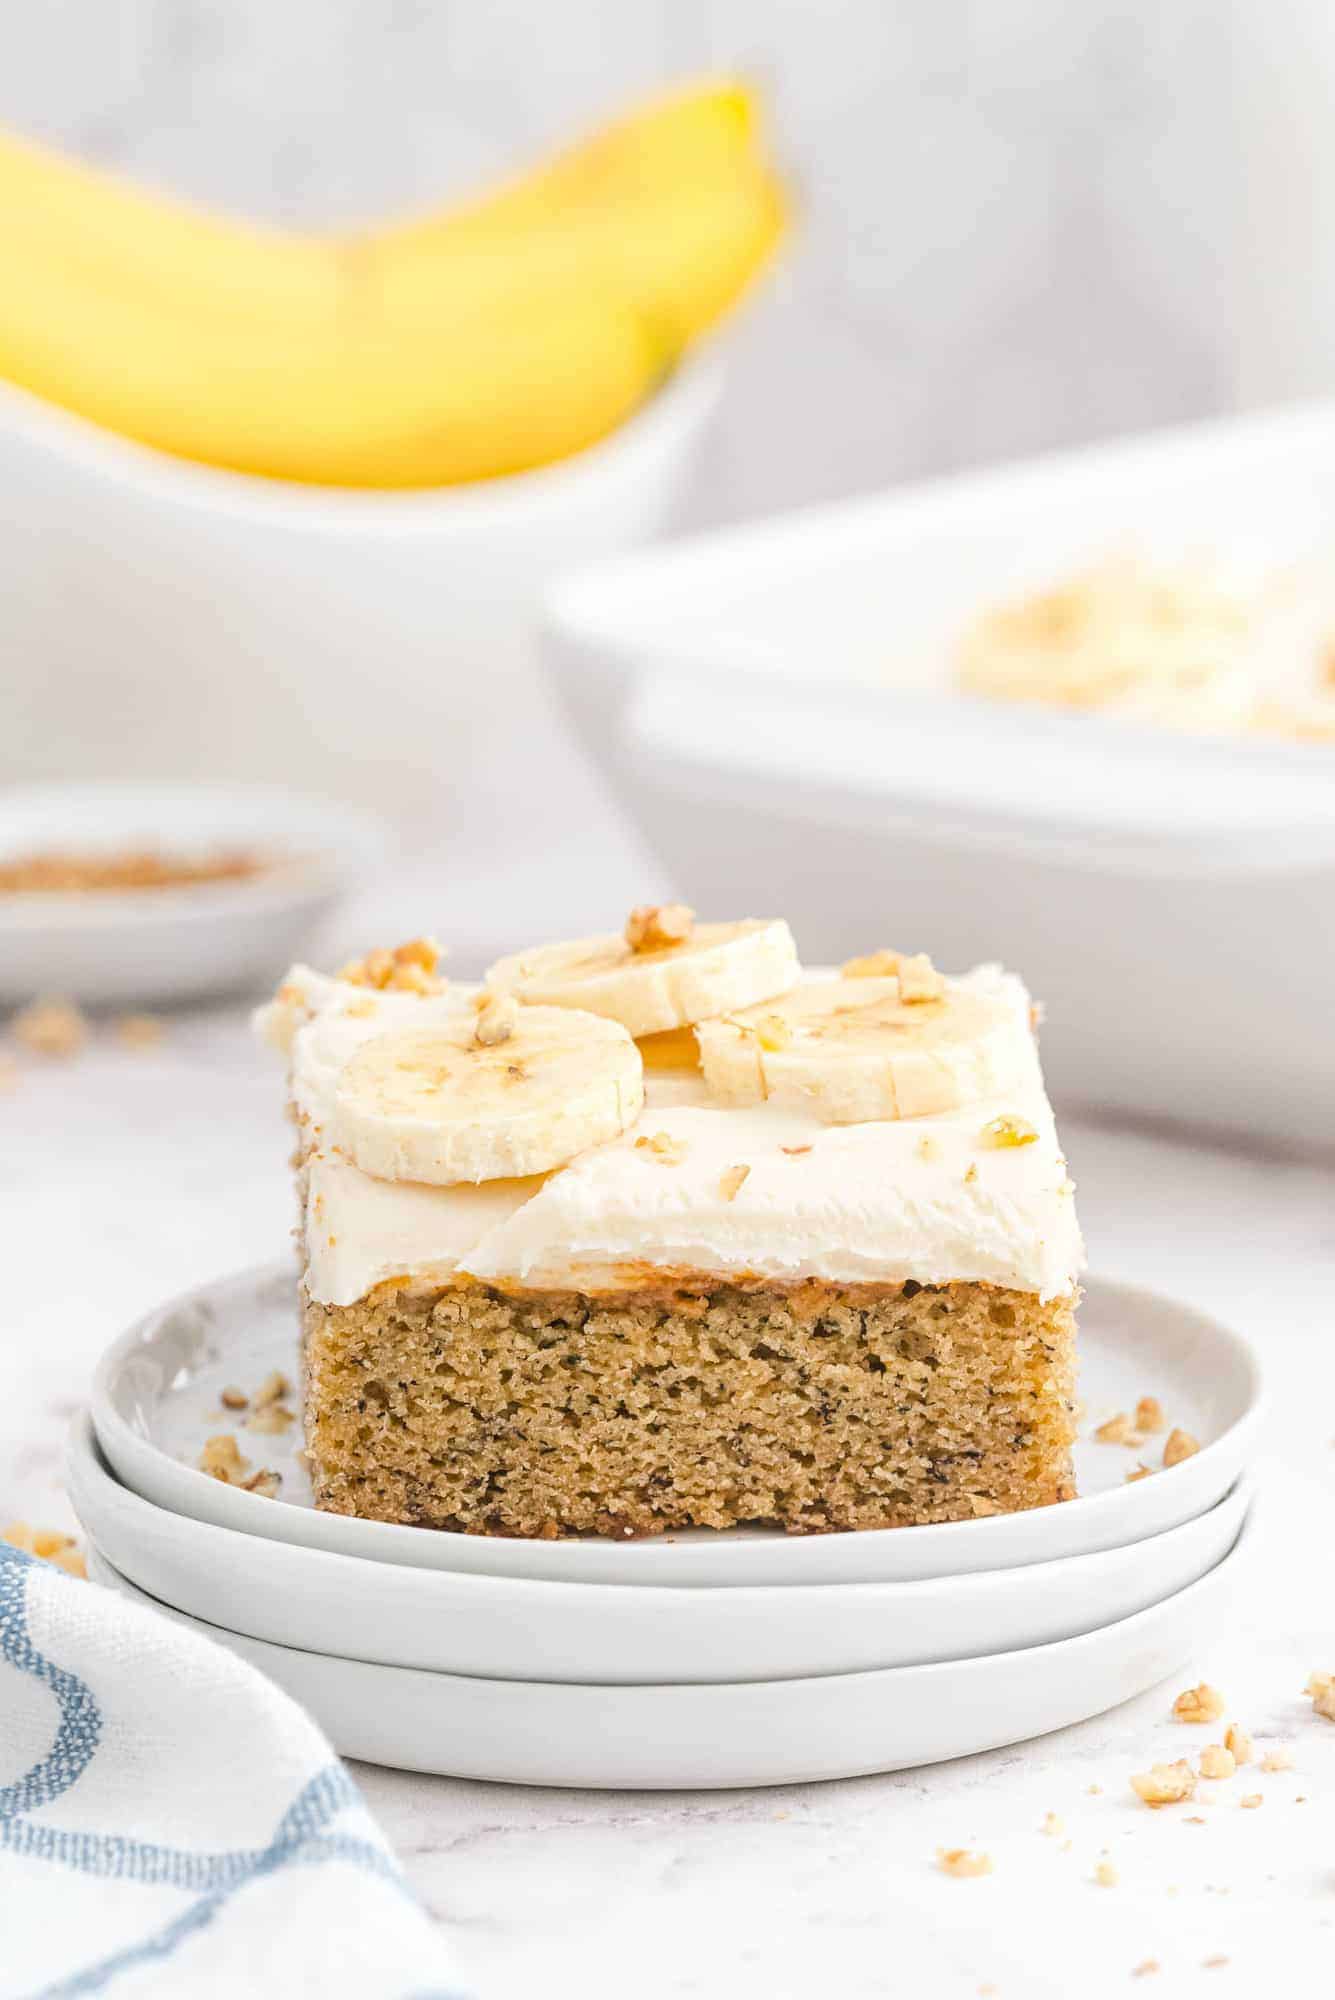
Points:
(125, 1176)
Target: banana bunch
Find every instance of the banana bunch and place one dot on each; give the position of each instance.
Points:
(462, 345)
(552, 1059)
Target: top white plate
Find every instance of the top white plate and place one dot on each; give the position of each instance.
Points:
(109, 946)
(156, 1399)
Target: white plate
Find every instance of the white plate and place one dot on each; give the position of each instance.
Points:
(761, 1733)
(510, 1628)
(155, 1400)
(109, 946)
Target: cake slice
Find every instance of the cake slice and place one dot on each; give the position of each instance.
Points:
(656, 1231)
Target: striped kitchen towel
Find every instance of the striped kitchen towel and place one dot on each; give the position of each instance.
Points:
(173, 1824)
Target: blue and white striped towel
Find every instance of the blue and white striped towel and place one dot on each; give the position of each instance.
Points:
(172, 1824)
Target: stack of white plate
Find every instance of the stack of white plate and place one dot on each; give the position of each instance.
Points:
(694, 1660)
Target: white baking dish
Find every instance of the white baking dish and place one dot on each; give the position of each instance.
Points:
(775, 705)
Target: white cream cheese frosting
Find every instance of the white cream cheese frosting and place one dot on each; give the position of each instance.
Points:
(927, 1198)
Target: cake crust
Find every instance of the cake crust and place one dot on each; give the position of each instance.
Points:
(684, 1401)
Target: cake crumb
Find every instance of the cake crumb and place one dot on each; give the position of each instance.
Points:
(1138, 1471)
(138, 1031)
(731, 1180)
(919, 980)
(1007, 1131)
(1217, 1761)
(874, 965)
(497, 1019)
(1052, 1824)
(663, 1147)
(1118, 1429)
(1149, 1415)
(1105, 1874)
(266, 1483)
(659, 926)
(272, 1389)
(271, 1420)
(1165, 1784)
(1179, 1445)
(1321, 1688)
(1278, 1759)
(234, 1399)
(1202, 1703)
(221, 1459)
(48, 1545)
(1239, 1742)
(1250, 1801)
(963, 1862)
(51, 1027)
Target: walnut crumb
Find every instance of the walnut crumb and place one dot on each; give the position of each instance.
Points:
(51, 1027)
(962, 1862)
(662, 1146)
(1321, 1688)
(1217, 1761)
(1105, 1874)
(1199, 1704)
(1149, 1415)
(919, 980)
(875, 965)
(1165, 1784)
(497, 1019)
(1239, 1743)
(1179, 1445)
(731, 1180)
(138, 1031)
(1118, 1430)
(234, 1399)
(659, 926)
(271, 1421)
(272, 1389)
(1250, 1801)
(1007, 1131)
(1278, 1759)
(221, 1459)
(409, 968)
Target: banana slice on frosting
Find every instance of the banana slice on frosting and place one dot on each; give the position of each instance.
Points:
(855, 1050)
(483, 1098)
(666, 972)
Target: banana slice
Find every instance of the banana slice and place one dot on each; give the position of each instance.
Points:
(714, 969)
(440, 1104)
(854, 1049)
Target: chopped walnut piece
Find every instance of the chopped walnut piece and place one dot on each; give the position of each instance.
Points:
(1239, 1743)
(497, 1019)
(1217, 1761)
(1321, 1687)
(272, 1389)
(1179, 1445)
(1165, 1784)
(1278, 1759)
(919, 980)
(1250, 1801)
(730, 1182)
(266, 1483)
(1004, 1132)
(271, 1421)
(1118, 1430)
(1199, 1704)
(234, 1399)
(139, 1031)
(409, 968)
(1105, 1874)
(773, 1032)
(221, 1459)
(875, 965)
(659, 926)
(663, 1147)
(1149, 1415)
(962, 1862)
(50, 1027)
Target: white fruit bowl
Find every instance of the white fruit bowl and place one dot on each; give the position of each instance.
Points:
(168, 620)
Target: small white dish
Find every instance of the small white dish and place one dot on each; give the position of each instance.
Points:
(511, 1628)
(111, 946)
(708, 1738)
(156, 1399)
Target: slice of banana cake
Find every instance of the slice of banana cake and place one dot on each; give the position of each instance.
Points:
(656, 1230)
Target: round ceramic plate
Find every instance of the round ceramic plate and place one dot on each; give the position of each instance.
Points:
(156, 1400)
(706, 1738)
(110, 946)
(511, 1628)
